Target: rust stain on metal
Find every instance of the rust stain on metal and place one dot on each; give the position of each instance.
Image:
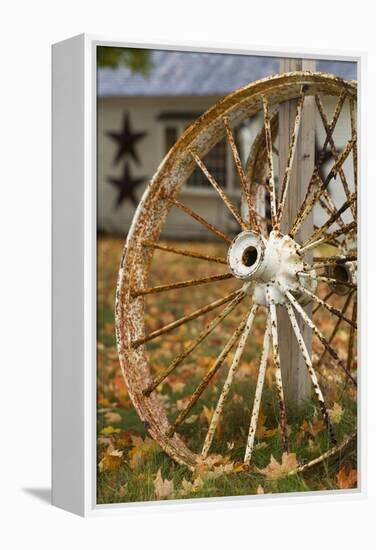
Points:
(180, 284)
(188, 349)
(161, 195)
(184, 252)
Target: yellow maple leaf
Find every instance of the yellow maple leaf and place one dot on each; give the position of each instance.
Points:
(336, 413)
(111, 461)
(109, 430)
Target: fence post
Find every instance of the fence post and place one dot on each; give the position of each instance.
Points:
(297, 385)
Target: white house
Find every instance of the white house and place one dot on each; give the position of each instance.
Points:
(141, 117)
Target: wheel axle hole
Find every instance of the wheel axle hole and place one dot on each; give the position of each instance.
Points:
(249, 257)
(341, 274)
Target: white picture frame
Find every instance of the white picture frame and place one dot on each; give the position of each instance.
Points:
(74, 277)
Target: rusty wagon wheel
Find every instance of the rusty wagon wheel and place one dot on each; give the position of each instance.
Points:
(266, 268)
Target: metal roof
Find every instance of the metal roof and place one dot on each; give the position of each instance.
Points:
(191, 73)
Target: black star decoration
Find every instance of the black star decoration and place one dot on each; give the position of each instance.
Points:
(126, 140)
(126, 186)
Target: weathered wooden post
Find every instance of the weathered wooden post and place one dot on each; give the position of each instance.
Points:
(297, 385)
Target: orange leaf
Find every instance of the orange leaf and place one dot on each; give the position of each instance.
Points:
(347, 477)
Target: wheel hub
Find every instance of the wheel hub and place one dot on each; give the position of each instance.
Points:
(274, 263)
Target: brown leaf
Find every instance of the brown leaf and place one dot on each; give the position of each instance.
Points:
(274, 469)
(164, 488)
(112, 417)
(111, 460)
(347, 477)
(187, 487)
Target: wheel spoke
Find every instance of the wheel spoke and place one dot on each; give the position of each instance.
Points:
(337, 112)
(330, 308)
(349, 228)
(320, 336)
(347, 204)
(335, 259)
(340, 160)
(242, 177)
(290, 157)
(183, 252)
(312, 373)
(258, 395)
(308, 202)
(331, 452)
(181, 284)
(333, 149)
(227, 385)
(198, 313)
(219, 190)
(355, 148)
(269, 150)
(193, 345)
(208, 376)
(278, 373)
(200, 220)
(325, 299)
(329, 207)
(328, 280)
(336, 327)
(350, 349)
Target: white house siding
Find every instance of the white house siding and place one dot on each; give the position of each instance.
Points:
(143, 113)
(144, 116)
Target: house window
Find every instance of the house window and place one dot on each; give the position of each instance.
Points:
(170, 137)
(218, 160)
(216, 163)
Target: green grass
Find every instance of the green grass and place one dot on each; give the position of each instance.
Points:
(129, 483)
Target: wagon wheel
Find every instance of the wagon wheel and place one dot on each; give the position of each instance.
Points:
(267, 269)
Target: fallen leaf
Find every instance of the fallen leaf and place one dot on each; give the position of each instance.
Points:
(109, 430)
(347, 477)
(112, 417)
(260, 446)
(111, 460)
(164, 488)
(188, 487)
(207, 413)
(142, 450)
(177, 386)
(310, 428)
(262, 431)
(336, 413)
(275, 470)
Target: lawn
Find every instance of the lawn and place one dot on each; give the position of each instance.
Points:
(132, 467)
